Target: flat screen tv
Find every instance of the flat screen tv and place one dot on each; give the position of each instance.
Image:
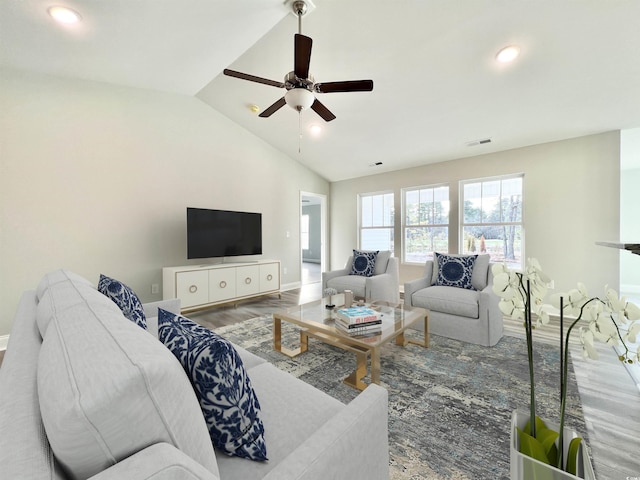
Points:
(223, 233)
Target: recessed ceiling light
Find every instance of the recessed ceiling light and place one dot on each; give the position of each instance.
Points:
(64, 15)
(508, 54)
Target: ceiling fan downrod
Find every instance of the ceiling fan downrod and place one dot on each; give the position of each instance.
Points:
(299, 8)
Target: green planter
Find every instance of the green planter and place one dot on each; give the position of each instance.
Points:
(524, 467)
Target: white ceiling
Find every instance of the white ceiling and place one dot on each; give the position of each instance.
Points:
(436, 83)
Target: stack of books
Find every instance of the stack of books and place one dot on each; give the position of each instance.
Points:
(359, 320)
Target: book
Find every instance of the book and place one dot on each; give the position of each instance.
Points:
(343, 323)
(358, 315)
(372, 329)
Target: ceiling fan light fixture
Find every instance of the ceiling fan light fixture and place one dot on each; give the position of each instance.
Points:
(299, 98)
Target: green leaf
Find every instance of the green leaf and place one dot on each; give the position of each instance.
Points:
(547, 439)
(531, 447)
(539, 424)
(572, 456)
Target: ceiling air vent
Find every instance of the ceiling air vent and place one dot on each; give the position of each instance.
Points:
(473, 143)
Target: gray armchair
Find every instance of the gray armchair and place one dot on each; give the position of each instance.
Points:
(383, 285)
(468, 315)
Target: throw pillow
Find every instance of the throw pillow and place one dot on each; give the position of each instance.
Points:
(227, 399)
(364, 263)
(125, 298)
(455, 271)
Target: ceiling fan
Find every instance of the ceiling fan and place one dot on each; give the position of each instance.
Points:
(301, 87)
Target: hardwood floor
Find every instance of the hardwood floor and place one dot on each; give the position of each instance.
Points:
(610, 398)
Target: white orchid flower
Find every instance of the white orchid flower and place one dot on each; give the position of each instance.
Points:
(632, 311)
(632, 333)
(586, 339)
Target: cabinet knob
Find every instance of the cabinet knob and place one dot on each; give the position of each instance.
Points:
(269, 277)
(223, 284)
(193, 289)
(247, 280)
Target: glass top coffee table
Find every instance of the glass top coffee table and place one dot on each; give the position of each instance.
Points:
(317, 321)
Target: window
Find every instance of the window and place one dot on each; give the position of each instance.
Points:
(492, 219)
(426, 222)
(376, 221)
(304, 232)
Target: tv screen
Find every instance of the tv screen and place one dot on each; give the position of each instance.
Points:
(222, 233)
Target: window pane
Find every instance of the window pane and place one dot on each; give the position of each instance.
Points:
(472, 203)
(503, 243)
(388, 210)
(491, 202)
(376, 239)
(421, 242)
(512, 200)
(411, 207)
(366, 209)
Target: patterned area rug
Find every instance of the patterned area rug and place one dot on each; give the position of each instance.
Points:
(449, 405)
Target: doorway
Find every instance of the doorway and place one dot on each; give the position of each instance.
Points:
(312, 237)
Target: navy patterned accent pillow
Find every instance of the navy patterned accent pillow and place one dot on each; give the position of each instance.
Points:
(125, 298)
(221, 383)
(364, 263)
(455, 271)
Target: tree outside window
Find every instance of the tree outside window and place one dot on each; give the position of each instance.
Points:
(425, 222)
(376, 221)
(492, 219)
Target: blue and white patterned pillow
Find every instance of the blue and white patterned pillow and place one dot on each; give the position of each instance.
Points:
(125, 298)
(455, 271)
(221, 383)
(364, 263)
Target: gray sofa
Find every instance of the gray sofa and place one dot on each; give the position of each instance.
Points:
(384, 285)
(471, 316)
(99, 397)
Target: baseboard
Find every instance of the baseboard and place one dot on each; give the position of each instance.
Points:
(4, 341)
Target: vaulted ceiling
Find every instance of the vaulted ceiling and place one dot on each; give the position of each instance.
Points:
(437, 85)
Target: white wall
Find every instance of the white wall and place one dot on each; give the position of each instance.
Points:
(96, 178)
(571, 195)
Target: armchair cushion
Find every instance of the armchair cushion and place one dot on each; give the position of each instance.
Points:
(454, 301)
(479, 274)
(364, 263)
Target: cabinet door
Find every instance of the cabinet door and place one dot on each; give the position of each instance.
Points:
(192, 288)
(222, 284)
(269, 277)
(247, 280)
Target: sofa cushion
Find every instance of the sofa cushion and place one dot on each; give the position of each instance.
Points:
(364, 263)
(479, 275)
(108, 389)
(59, 276)
(228, 401)
(455, 301)
(125, 298)
(454, 271)
(63, 295)
(292, 411)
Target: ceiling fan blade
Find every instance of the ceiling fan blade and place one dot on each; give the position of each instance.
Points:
(252, 78)
(273, 108)
(347, 86)
(302, 56)
(323, 111)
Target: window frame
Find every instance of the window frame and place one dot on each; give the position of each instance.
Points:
(404, 225)
(390, 227)
(520, 224)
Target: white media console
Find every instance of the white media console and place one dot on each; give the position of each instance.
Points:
(200, 286)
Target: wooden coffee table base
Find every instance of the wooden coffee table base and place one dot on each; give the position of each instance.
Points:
(355, 378)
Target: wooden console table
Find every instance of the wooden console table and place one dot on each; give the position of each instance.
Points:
(632, 247)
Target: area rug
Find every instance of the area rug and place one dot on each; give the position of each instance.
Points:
(449, 405)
